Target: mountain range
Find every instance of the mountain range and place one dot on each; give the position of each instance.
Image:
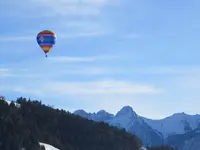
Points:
(179, 130)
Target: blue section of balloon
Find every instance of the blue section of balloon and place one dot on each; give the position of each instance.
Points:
(46, 40)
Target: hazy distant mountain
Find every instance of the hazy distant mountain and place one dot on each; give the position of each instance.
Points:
(151, 132)
(101, 115)
(178, 123)
(128, 119)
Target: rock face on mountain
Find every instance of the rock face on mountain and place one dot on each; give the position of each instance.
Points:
(128, 119)
(192, 144)
(187, 141)
(171, 130)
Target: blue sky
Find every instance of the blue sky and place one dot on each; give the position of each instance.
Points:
(108, 54)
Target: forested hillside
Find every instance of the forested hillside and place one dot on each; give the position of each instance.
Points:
(33, 122)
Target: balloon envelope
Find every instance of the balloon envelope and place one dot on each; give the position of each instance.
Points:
(46, 40)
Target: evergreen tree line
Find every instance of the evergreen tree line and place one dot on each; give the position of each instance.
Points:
(23, 128)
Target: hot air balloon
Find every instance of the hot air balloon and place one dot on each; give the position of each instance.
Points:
(46, 39)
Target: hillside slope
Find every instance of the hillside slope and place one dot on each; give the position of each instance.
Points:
(23, 127)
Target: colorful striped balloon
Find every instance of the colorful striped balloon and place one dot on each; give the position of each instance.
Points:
(46, 40)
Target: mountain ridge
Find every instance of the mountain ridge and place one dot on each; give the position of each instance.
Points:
(174, 114)
(145, 128)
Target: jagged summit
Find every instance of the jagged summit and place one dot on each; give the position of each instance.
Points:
(102, 112)
(126, 110)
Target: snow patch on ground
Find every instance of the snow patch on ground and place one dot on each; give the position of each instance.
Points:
(47, 146)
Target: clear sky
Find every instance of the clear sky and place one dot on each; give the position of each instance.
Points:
(108, 54)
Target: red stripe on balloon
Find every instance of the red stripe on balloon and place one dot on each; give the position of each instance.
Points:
(46, 32)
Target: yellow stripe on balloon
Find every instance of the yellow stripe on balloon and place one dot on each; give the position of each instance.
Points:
(46, 48)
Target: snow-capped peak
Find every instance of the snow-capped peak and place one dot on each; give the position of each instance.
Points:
(125, 118)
